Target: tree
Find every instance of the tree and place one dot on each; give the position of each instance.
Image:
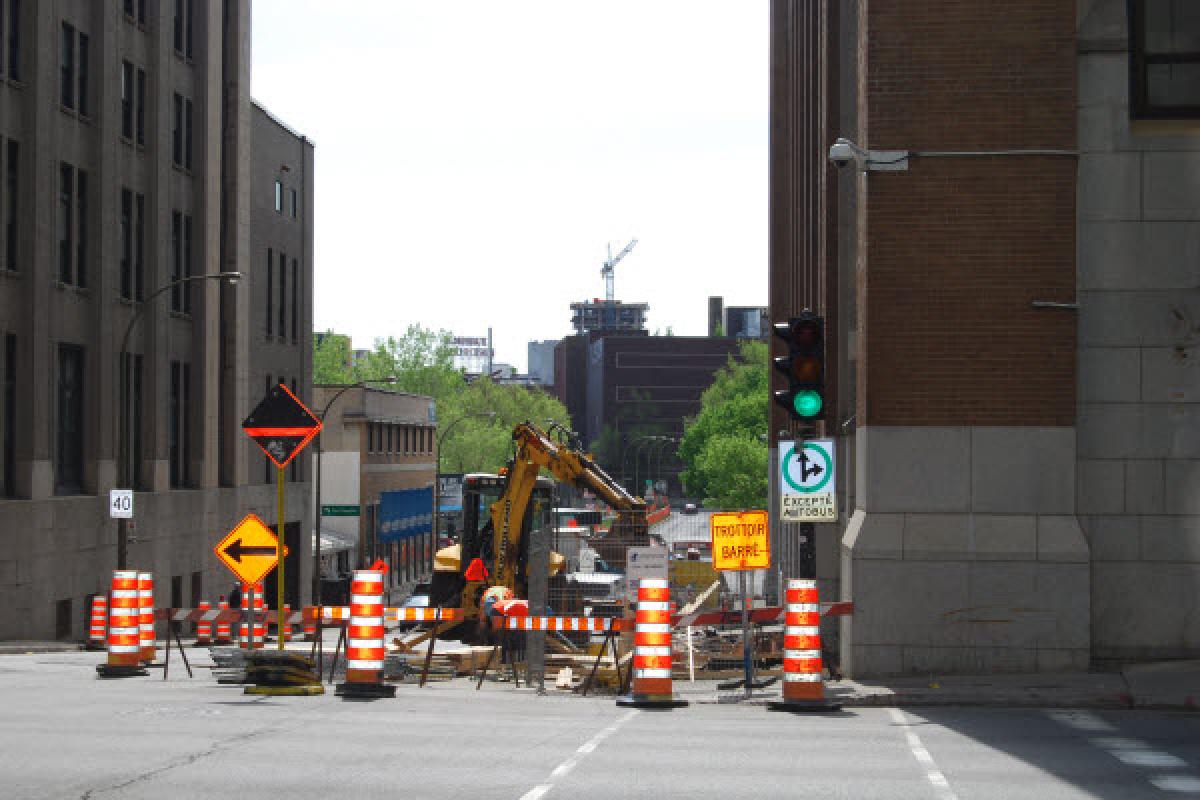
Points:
(724, 447)
(484, 444)
(422, 361)
(332, 358)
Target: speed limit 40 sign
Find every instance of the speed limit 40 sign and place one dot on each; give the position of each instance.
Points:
(120, 503)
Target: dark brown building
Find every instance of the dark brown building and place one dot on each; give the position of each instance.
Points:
(623, 389)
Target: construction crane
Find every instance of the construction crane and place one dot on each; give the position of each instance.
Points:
(607, 269)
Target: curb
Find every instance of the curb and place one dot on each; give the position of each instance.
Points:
(32, 649)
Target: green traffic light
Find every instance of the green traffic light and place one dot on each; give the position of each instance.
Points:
(807, 403)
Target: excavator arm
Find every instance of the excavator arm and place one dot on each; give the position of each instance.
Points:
(567, 462)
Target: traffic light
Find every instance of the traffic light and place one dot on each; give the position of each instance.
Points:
(804, 366)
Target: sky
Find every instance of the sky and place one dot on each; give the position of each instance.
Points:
(475, 158)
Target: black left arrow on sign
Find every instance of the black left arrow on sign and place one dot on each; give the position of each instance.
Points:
(236, 550)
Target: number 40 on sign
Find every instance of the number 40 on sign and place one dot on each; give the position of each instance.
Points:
(120, 503)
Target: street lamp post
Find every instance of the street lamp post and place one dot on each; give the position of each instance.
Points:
(122, 425)
(665, 441)
(316, 579)
(437, 471)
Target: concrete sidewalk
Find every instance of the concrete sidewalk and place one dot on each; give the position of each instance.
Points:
(1166, 685)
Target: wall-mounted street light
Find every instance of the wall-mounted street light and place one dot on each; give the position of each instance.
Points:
(122, 424)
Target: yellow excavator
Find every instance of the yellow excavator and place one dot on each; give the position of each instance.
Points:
(501, 513)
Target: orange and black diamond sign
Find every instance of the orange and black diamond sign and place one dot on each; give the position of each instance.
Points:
(281, 425)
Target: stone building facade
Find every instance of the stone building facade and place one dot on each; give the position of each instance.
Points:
(133, 158)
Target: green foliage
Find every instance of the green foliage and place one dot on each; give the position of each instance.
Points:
(422, 362)
(481, 443)
(332, 358)
(724, 447)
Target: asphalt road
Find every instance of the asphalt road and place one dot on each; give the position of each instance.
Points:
(65, 734)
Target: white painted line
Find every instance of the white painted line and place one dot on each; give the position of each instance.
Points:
(921, 753)
(564, 768)
(1148, 758)
(1081, 720)
(1189, 784)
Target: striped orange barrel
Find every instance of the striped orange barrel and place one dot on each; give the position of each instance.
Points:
(652, 640)
(284, 625)
(203, 626)
(364, 635)
(146, 615)
(802, 678)
(310, 626)
(224, 633)
(98, 625)
(124, 615)
(260, 616)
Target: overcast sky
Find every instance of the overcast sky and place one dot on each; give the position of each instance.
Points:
(474, 158)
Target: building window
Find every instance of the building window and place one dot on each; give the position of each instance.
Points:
(126, 244)
(10, 205)
(181, 132)
(138, 13)
(81, 217)
(10, 38)
(127, 100)
(295, 301)
(68, 452)
(278, 197)
(282, 295)
(390, 443)
(267, 466)
(139, 97)
(85, 108)
(181, 261)
(295, 203)
(10, 415)
(294, 466)
(139, 246)
(66, 224)
(270, 292)
(178, 433)
(131, 376)
(1165, 59)
(66, 66)
(183, 28)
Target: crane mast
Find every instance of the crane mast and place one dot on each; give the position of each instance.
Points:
(607, 269)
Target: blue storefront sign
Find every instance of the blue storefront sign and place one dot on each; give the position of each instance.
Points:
(404, 514)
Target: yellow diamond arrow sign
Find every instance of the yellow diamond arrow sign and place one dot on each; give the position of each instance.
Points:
(250, 550)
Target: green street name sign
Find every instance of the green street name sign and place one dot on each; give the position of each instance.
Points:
(339, 511)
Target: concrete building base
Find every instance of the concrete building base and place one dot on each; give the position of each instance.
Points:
(966, 558)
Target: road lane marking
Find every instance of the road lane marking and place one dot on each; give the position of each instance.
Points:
(1133, 752)
(924, 758)
(1189, 784)
(565, 767)
(1081, 720)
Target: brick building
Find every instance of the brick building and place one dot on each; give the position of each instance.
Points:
(1009, 322)
(374, 441)
(133, 156)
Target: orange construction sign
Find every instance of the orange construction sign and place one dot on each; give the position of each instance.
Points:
(250, 550)
(740, 540)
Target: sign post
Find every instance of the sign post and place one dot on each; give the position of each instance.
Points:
(741, 542)
(282, 426)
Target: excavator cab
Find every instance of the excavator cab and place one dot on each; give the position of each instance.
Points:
(480, 491)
